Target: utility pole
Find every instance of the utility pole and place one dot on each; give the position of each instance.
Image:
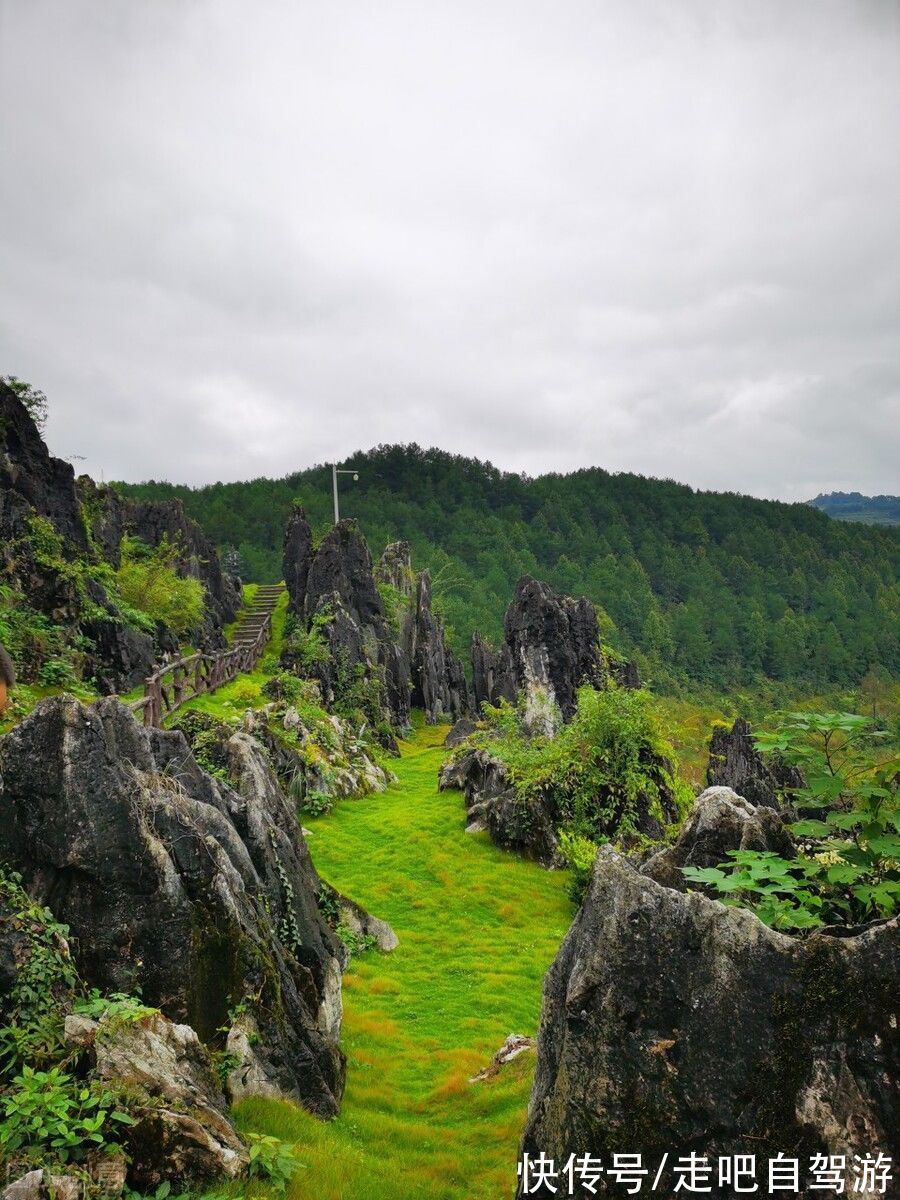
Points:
(335, 471)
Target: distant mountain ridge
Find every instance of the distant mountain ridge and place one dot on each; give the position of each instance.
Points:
(696, 587)
(854, 506)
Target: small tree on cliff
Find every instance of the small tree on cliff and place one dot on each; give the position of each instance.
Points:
(33, 399)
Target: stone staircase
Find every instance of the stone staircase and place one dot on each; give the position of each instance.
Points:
(262, 607)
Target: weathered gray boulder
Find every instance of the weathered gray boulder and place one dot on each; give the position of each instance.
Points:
(348, 770)
(361, 923)
(515, 1045)
(200, 894)
(720, 821)
(735, 762)
(674, 1024)
(181, 1132)
(463, 729)
(43, 1184)
(526, 826)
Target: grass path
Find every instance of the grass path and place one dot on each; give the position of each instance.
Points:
(478, 928)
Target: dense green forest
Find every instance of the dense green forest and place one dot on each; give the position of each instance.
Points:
(704, 588)
(853, 506)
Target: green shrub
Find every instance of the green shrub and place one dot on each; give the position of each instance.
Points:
(148, 582)
(45, 975)
(117, 1007)
(273, 1160)
(282, 685)
(578, 853)
(49, 1114)
(245, 691)
(308, 646)
(608, 761)
(848, 867)
(47, 986)
(164, 1192)
(317, 804)
(358, 697)
(396, 605)
(57, 672)
(356, 943)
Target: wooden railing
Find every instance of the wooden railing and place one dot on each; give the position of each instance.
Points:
(177, 682)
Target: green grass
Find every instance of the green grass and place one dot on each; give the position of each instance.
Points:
(689, 725)
(478, 929)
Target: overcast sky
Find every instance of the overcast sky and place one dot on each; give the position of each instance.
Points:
(236, 239)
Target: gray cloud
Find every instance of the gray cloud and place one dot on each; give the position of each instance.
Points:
(648, 236)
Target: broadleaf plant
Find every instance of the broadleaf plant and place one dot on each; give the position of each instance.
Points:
(847, 867)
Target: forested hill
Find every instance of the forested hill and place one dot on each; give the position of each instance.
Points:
(707, 587)
(853, 506)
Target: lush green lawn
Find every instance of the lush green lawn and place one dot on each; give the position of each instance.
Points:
(478, 929)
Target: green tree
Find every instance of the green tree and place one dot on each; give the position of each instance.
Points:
(33, 399)
(747, 588)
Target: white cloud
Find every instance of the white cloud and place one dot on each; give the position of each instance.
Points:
(651, 237)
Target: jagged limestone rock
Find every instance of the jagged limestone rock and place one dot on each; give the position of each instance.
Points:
(395, 569)
(439, 682)
(404, 649)
(201, 895)
(296, 556)
(492, 673)
(90, 523)
(336, 581)
(735, 762)
(551, 648)
(720, 821)
(463, 729)
(31, 480)
(526, 826)
(182, 1132)
(554, 648)
(672, 1023)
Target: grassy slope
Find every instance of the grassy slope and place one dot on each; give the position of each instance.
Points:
(478, 929)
